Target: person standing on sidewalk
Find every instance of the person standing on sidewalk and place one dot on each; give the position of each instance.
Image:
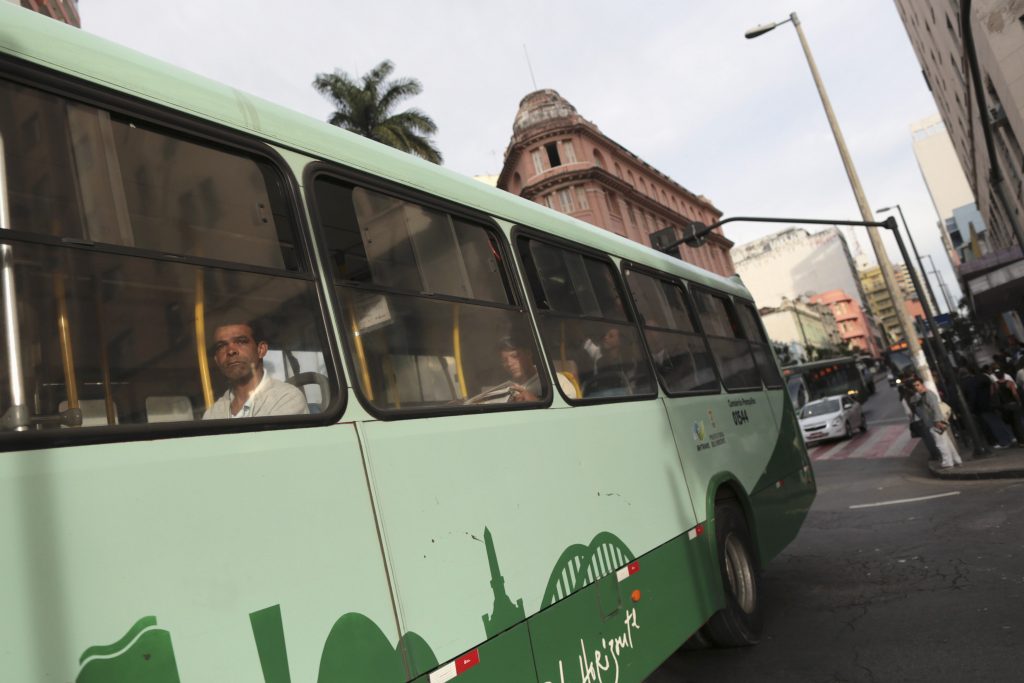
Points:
(979, 391)
(1008, 399)
(927, 407)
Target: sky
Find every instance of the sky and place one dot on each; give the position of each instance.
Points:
(675, 82)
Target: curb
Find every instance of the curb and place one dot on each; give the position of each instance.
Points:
(959, 473)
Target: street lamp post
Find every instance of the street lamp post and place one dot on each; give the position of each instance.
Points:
(921, 270)
(942, 284)
(694, 235)
(909, 333)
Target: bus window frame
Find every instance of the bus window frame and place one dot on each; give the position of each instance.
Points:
(321, 168)
(675, 281)
(728, 298)
(523, 231)
(203, 132)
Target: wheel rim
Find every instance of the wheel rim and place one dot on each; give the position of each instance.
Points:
(740, 574)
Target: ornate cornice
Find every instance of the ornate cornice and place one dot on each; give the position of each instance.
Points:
(557, 129)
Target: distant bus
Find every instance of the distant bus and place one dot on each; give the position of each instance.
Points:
(897, 358)
(516, 447)
(832, 377)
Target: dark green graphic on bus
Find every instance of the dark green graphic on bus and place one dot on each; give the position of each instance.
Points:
(504, 613)
(144, 653)
(580, 565)
(356, 648)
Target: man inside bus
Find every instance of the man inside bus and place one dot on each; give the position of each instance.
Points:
(517, 362)
(238, 351)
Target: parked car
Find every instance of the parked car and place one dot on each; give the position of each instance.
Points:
(833, 417)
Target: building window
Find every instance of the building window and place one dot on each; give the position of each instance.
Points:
(538, 165)
(581, 197)
(598, 159)
(613, 203)
(553, 158)
(569, 151)
(565, 199)
(547, 201)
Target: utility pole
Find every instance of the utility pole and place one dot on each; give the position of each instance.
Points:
(906, 324)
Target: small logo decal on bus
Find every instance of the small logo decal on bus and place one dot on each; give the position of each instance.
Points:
(699, 431)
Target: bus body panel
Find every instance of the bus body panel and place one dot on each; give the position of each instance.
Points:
(550, 489)
(625, 625)
(199, 534)
(258, 556)
(505, 658)
(720, 433)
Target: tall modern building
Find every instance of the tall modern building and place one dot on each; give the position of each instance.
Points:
(994, 283)
(935, 34)
(61, 10)
(559, 159)
(951, 195)
(795, 263)
(880, 301)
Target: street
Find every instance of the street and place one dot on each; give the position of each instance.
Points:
(895, 576)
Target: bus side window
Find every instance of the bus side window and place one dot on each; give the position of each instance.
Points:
(732, 353)
(680, 353)
(430, 316)
(133, 244)
(759, 345)
(585, 326)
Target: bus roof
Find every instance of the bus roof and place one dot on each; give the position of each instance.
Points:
(37, 39)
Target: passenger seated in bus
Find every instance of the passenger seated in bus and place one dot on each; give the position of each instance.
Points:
(517, 362)
(238, 351)
(613, 366)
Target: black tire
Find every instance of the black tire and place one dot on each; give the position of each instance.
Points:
(863, 424)
(740, 622)
(849, 432)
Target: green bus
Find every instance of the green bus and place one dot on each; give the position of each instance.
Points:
(281, 404)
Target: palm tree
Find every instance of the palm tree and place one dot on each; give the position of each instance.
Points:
(367, 108)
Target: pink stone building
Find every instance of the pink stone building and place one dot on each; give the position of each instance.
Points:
(559, 159)
(853, 324)
(61, 10)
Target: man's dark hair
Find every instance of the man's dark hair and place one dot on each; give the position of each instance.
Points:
(514, 343)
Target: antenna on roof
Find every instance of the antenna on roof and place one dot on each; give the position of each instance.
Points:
(529, 66)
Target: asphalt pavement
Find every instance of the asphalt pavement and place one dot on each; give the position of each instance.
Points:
(885, 410)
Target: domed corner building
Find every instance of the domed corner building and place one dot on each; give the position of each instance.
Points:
(559, 159)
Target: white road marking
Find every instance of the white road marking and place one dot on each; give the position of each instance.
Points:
(904, 500)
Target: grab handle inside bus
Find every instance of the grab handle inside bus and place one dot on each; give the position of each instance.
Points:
(16, 417)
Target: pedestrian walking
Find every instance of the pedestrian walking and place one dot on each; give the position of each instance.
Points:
(928, 408)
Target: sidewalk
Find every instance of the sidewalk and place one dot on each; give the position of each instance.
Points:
(1002, 464)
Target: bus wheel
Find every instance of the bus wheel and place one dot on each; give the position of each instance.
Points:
(740, 622)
